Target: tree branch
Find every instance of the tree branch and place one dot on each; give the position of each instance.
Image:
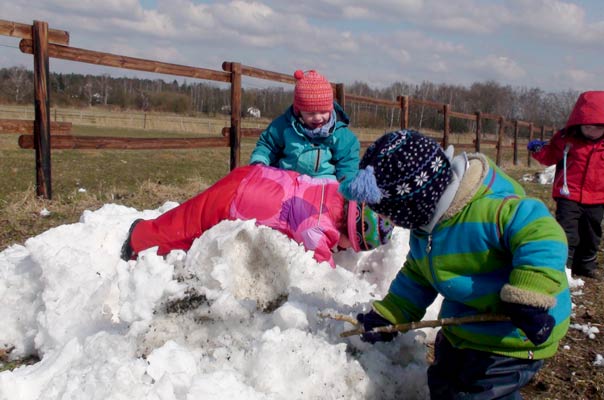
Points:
(359, 330)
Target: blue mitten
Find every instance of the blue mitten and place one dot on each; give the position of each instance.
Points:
(535, 146)
(372, 320)
(535, 322)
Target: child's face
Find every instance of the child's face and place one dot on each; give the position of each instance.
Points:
(315, 119)
(592, 132)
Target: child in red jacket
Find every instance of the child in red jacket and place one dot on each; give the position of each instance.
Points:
(309, 210)
(578, 152)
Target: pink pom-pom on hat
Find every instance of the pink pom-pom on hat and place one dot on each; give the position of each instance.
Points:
(313, 93)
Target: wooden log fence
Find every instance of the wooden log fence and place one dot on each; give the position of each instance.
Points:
(43, 43)
(124, 143)
(24, 31)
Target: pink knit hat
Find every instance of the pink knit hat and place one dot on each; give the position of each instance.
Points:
(313, 93)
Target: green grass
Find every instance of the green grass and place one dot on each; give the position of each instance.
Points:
(104, 170)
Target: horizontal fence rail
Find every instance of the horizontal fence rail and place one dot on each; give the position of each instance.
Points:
(103, 142)
(117, 61)
(42, 134)
(24, 31)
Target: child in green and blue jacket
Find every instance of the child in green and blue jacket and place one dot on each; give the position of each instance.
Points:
(477, 240)
(312, 137)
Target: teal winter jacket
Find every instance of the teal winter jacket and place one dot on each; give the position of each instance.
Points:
(284, 145)
(492, 244)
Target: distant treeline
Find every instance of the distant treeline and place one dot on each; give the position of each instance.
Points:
(77, 90)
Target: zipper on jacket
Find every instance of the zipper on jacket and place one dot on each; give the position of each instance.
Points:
(317, 162)
(322, 202)
(430, 265)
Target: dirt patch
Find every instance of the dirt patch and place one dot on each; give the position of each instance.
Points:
(571, 373)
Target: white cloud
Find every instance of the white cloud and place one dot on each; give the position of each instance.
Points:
(499, 68)
(579, 78)
(253, 17)
(557, 20)
(438, 65)
(377, 10)
(126, 9)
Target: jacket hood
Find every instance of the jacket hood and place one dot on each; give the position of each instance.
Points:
(588, 110)
(481, 178)
(342, 116)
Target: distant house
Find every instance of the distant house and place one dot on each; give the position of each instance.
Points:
(253, 112)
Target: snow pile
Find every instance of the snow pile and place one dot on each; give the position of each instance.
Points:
(235, 317)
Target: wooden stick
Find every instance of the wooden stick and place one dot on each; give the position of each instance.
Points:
(359, 330)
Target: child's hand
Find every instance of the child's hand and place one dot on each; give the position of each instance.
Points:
(535, 322)
(372, 320)
(535, 146)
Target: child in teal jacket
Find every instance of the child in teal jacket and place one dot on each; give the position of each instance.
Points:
(312, 136)
(477, 240)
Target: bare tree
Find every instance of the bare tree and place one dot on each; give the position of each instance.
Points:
(558, 106)
(88, 90)
(19, 81)
(105, 86)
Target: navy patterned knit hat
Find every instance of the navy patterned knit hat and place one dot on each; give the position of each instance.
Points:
(402, 176)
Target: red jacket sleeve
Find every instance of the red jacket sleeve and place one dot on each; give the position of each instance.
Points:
(553, 151)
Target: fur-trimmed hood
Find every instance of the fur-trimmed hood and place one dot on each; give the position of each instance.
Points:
(469, 172)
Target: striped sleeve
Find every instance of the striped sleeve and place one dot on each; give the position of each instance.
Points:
(408, 297)
(539, 252)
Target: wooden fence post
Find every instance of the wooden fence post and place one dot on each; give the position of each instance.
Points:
(542, 132)
(341, 94)
(500, 135)
(530, 128)
(516, 142)
(446, 127)
(235, 132)
(42, 109)
(404, 112)
(478, 131)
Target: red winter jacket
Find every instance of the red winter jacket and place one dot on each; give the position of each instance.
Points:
(585, 159)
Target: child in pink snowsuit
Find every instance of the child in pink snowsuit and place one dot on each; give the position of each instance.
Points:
(310, 211)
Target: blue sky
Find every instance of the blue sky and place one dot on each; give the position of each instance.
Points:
(550, 44)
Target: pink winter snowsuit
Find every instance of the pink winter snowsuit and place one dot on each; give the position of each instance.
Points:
(308, 210)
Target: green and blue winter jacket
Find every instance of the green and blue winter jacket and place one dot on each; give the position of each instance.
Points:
(284, 145)
(491, 244)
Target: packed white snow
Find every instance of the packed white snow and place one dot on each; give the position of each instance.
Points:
(237, 316)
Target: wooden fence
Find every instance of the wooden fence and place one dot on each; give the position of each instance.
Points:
(41, 134)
